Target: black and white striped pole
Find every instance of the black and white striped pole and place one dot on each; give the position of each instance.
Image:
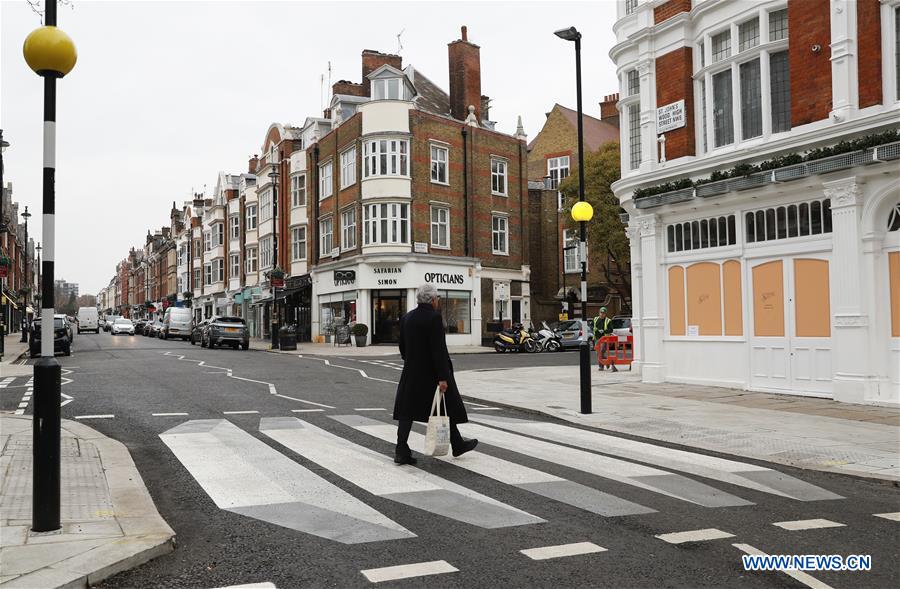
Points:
(51, 54)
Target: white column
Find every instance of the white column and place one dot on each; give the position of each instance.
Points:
(851, 360)
(649, 151)
(844, 77)
(634, 239)
(652, 299)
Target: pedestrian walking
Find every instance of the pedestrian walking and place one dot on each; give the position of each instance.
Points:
(602, 327)
(426, 366)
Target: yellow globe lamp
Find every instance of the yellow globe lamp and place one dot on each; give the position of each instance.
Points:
(582, 211)
(50, 52)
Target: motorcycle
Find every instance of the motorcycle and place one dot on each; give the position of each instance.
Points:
(547, 340)
(516, 339)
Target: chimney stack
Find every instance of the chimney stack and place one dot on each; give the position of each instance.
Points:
(465, 77)
(371, 61)
(254, 163)
(608, 110)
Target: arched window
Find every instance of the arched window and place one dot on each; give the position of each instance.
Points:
(893, 223)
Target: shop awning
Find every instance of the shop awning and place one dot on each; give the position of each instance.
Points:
(9, 301)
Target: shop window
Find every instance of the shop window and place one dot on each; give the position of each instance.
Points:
(704, 298)
(812, 298)
(336, 309)
(456, 310)
(768, 299)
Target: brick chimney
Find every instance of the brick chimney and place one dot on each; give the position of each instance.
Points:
(608, 110)
(253, 165)
(371, 61)
(349, 88)
(465, 77)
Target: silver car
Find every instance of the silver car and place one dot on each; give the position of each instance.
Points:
(570, 333)
(124, 326)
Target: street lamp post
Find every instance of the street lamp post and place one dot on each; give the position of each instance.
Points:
(51, 54)
(37, 293)
(26, 215)
(274, 176)
(581, 212)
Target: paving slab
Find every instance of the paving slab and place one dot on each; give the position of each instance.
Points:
(818, 434)
(108, 520)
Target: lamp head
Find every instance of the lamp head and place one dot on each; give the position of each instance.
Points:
(50, 52)
(569, 34)
(26, 214)
(582, 211)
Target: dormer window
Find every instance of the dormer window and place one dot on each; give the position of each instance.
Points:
(386, 89)
(389, 83)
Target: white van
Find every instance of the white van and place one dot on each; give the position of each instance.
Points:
(88, 319)
(177, 322)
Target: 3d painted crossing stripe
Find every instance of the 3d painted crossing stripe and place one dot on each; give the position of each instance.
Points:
(694, 536)
(891, 516)
(169, 414)
(245, 475)
(548, 552)
(804, 578)
(808, 524)
(252, 586)
(240, 412)
(377, 474)
(510, 473)
(408, 571)
(638, 475)
(306, 410)
(742, 474)
(94, 416)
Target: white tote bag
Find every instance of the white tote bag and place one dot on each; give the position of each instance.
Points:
(437, 437)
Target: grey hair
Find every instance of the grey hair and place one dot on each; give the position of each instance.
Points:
(426, 293)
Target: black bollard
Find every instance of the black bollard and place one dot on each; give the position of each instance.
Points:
(46, 450)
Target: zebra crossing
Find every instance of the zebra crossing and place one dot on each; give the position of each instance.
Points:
(244, 475)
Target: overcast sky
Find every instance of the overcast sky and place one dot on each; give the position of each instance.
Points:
(165, 95)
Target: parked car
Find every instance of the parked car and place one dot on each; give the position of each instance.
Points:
(110, 319)
(123, 325)
(197, 331)
(61, 341)
(139, 326)
(621, 325)
(177, 322)
(230, 331)
(88, 319)
(152, 328)
(67, 322)
(570, 333)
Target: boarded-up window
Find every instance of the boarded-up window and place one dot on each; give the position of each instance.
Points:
(894, 265)
(731, 286)
(704, 298)
(676, 300)
(812, 298)
(768, 299)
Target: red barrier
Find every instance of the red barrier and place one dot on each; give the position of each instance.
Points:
(619, 350)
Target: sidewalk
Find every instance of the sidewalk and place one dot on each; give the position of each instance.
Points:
(109, 521)
(376, 350)
(796, 431)
(12, 350)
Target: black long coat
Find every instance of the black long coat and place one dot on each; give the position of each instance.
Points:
(426, 361)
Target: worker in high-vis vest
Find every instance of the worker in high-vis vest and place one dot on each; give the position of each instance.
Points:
(602, 327)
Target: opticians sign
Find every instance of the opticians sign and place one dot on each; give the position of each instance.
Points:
(670, 116)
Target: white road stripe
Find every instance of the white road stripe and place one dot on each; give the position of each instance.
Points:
(23, 405)
(168, 414)
(239, 412)
(243, 474)
(510, 473)
(891, 516)
(720, 469)
(304, 401)
(638, 475)
(306, 410)
(694, 536)
(487, 408)
(547, 552)
(94, 416)
(804, 578)
(808, 524)
(20, 412)
(369, 470)
(370, 409)
(408, 571)
(252, 586)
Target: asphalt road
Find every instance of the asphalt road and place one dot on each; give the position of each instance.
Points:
(236, 485)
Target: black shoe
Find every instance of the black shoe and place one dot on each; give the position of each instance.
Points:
(401, 457)
(467, 445)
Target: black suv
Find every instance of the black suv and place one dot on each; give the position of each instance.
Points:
(61, 340)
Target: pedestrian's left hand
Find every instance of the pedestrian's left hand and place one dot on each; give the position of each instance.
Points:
(443, 386)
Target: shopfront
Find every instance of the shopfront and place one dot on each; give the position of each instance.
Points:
(380, 290)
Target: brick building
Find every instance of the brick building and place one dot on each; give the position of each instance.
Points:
(758, 141)
(20, 284)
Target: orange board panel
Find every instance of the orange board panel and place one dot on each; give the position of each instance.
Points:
(704, 298)
(731, 282)
(894, 266)
(812, 299)
(676, 300)
(768, 299)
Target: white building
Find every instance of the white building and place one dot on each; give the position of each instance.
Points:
(784, 277)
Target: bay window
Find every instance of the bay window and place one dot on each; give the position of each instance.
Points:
(207, 273)
(386, 223)
(265, 205)
(197, 283)
(298, 190)
(251, 260)
(235, 223)
(251, 217)
(218, 237)
(326, 237)
(386, 157)
(751, 100)
(235, 266)
(298, 244)
(265, 253)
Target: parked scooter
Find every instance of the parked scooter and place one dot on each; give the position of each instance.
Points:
(547, 340)
(516, 339)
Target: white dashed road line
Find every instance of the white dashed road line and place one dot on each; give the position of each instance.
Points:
(306, 410)
(808, 524)
(240, 412)
(169, 414)
(807, 580)
(694, 536)
(547, 552)
(94, 416)
(891, 516)
(408, 571)
(370, 409)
